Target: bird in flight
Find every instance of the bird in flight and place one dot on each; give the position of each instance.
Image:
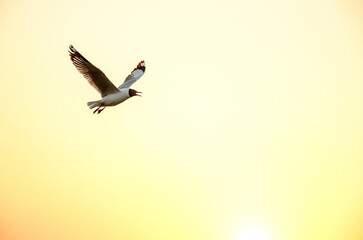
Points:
(111, 95)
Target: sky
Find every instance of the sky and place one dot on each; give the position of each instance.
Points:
(249, 127)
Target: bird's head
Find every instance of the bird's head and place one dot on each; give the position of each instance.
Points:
(133, 92)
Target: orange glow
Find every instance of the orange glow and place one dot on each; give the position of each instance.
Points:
(251, 113)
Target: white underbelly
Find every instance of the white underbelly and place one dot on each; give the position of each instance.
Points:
(114, 99)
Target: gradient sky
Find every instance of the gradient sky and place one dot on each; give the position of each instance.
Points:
(249, 128)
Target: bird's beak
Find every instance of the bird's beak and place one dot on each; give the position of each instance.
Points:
(138, 94)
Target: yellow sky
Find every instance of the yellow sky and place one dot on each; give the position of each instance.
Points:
(250, 123)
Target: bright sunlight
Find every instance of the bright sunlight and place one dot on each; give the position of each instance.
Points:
(252, 232)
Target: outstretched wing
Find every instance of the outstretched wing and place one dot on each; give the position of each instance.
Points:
(134, 75)
(94, 76)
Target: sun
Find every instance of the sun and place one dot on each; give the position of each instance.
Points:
(252, 232)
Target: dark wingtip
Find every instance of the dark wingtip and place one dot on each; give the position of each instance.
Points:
(72, 49)
(140, 66)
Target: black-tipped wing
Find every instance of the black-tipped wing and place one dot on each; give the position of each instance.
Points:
(134, 75)
(94, 76)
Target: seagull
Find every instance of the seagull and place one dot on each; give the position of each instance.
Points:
(111, 95)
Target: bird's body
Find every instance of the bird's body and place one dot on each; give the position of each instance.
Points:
(111, 95)
(111, 99)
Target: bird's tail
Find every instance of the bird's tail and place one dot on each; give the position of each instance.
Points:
(93, 104)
